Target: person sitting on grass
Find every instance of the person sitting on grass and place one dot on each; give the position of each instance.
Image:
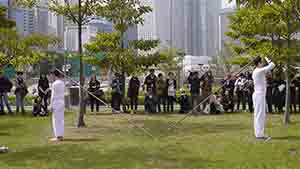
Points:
(215, 105)
(227, 101)
(150, 102)
(184, 102)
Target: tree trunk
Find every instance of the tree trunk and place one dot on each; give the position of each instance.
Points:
(179, 78)
(286, 119)
(123, 79)
(81, 122)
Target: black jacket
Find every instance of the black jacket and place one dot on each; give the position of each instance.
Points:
(5, 85)
(44, 85)
(94, 85)
(134, 86)
(195, 86)
(117, 86)
(150, 82)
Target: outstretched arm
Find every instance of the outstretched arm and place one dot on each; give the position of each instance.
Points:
(270, 65)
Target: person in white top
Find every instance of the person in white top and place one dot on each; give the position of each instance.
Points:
(58, 106)
(259, 96)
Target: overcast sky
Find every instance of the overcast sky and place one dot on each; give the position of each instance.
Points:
(226, 4)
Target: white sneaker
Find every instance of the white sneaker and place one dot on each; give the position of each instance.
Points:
(3, 149)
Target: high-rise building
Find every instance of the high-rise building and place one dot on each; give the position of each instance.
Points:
(41, 18)
(147, 31)
(27, 20)
(190, 25)
(89, 32)
(226, 10)
(56, 27)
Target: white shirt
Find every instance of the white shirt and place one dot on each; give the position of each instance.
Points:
(58, 93)
(259, 78)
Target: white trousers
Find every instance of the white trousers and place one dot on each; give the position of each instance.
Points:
(260, 107)
(58, 121)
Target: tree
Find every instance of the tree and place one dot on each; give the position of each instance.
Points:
(121, 60)
(18, 50)
(80, 13)
(269, 29)
(5, 23)
(174, 63)
(125, 14)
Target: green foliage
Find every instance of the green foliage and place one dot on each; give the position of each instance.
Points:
(124, 13)
(266, 30)
(119, 59)
(18, 50)
(139, 55)
(144, 45)
(173, 61)
(5, 23)
(104, 42)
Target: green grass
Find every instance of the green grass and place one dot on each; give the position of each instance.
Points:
(110, 142)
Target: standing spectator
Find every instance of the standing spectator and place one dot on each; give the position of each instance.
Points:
(279, 94)
(94, 88)
(150, 82)
(209, 76)
(293, 106)
(269, 94)
(21, 92)
(206, 87)
(228, 86)
(117, 91)
(44, 90)
(240, 92)
(249, 90)
(133, 92)
(161, 87)
(150, 86)
(5, 87)
(171, 87)
(297, 85)
(194, 82)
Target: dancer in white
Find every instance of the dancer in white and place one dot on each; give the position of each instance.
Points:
(259, 96)
(58, 106)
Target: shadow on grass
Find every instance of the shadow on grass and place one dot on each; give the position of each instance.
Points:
(4, 134)
(79, 140)
(165, 128)
(289, 138)
(4, 128)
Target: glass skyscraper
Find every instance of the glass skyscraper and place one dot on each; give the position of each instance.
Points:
(190, 25)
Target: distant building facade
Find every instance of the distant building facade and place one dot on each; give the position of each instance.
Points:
(190, 25)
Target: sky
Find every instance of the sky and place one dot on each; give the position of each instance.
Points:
(226, 4)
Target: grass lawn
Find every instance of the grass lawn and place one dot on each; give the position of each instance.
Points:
(109, 142)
